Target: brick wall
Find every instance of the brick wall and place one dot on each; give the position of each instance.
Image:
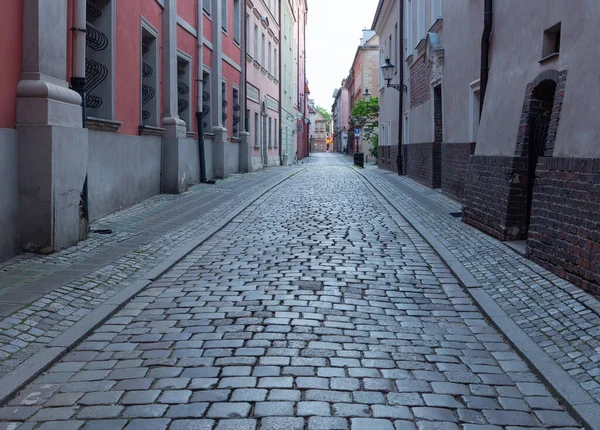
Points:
(455, 160)
(423, 163)
(387, 158)
(564, 233)
(496, 195)
(419, 82)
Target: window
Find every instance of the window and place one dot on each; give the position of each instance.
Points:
(183, 90)
(237, 27)
(256, 128)
(235, 111)
(224, 17)
(436, 10)
(262, 51)
(248, 38)
(474, 111)
(275, 64)
(206, 6)
(206, 104)
(420, 20)
(276, 133)
(383, 142)
(551, 45)
(396, 49)
(150, 109)
(270, 133)
(409, 28)
(224, 103)
(270, 64)
(100, 17)
(256, 42)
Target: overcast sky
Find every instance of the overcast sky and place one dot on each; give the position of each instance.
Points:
(333, 32)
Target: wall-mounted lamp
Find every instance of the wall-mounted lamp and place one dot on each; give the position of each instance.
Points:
(388, 71)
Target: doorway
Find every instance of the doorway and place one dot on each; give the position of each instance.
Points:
(540, 113)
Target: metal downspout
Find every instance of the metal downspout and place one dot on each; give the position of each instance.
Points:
(200, 71)
(485, 52)
(399, 157)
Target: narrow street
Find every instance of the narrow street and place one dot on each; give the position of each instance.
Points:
(317, 307)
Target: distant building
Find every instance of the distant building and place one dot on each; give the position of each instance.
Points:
(340, 112)
(364, 74)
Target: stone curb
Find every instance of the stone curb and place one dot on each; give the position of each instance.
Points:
(577, 401)
(26, 372)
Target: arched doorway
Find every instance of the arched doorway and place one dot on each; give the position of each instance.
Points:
(540, 114)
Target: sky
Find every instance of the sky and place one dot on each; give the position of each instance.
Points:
(333, 33)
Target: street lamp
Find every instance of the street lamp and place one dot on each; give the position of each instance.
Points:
(388, 73)
(367, 95)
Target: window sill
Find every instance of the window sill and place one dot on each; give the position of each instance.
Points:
(236, 140)
(548, 57)
(102, 124)
(190, 134)
(148, 130)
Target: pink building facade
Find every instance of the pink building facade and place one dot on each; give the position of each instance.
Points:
(262, 82)
(302, 108)
(147, 82)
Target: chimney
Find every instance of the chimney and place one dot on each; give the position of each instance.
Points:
(367, 34)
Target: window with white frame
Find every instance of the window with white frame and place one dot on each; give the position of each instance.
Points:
(184, 81)
(256, 42)
(383, 142)
(206, 104)
(436, 10)
(256, 129)
(236, 111)
(420, 19)
(270, 132)
(237, 24)
(248, 38)
(224, 15)
(276, 133)
(275, 64)
(150, 111)
(206, 6)
(262, 49)
(409, 27)
(270, 64)
(99, 61)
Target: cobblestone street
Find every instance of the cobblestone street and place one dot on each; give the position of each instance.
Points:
(317, 307)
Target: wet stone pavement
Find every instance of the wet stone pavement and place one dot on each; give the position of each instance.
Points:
(318, 307)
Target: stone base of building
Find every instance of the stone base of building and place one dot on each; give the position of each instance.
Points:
(455, 160)
(388, 158)
(424, 163)
(564, 232)
(564, 229)
(496, 196)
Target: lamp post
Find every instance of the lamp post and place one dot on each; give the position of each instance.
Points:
(367, 95)
(388, 72)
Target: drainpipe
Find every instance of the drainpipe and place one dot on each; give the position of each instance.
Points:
(199, 122)
(399, 157)
(485, 52)
(79, 33)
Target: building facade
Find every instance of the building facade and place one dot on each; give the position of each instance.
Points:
(363, 75)
(535, 172)
(499, 115)
(386, 25)
(94, 121)
(262, 82)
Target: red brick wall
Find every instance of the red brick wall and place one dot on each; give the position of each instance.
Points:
(455, 160)
(564, 233)
(419, 82)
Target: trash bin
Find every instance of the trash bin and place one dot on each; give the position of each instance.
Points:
(359, 159)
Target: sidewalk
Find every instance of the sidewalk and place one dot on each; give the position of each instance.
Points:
(42, 296)
(560, 318)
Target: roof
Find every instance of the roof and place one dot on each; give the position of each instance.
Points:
(377, 13)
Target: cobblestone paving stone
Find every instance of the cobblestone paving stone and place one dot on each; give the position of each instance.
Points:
(560, 317)
(28, 330)
(318, 307)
